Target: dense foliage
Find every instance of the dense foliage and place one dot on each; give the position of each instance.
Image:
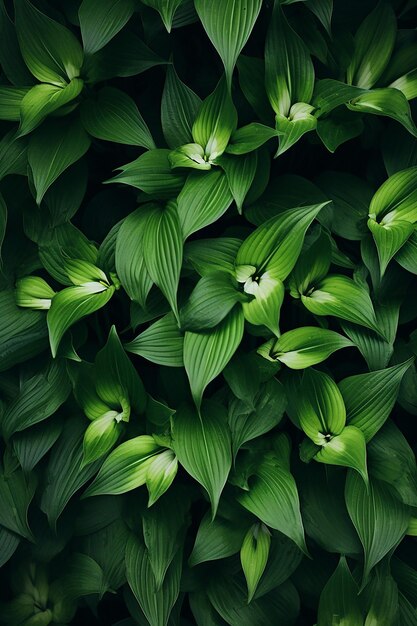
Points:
(208, 312)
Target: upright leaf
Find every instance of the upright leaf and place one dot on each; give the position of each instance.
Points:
(101, 21)
(179, 109)
(339, 600)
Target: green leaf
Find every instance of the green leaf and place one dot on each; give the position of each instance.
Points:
(339, 602)
(323, 10)
(374, 42)
(391, 459)
(330, 94)
(387, 102)
(101, 20)
(42, 100)
(125, 468)
(100, 436)
(166, 9)
(395, 200)
(162, 251)
(341, 297)
(23, 333)
(51, 52)
(250, 419)
(161, 343)
(220, 343)
(212, 299)
(294, 125)
(278, 242)
(338, 128)
(379, 518)
(52, 149)
(9, 543)
(215, 122)
(240, 173)
(254, 556)
(155, 604)
(370, 398)
(161, 473)
(31, 445)
(117, 382)
(273, 498)
(222, 537)
(382, 596)
(252, 83)
(13, 155)
(72, 304)
(179, 108)
(312, 265)
(40, 396)
(10, 102)
(228, 26)
(307, 346)
(203, 200)
(202, 443)
(84, 577)
(249, 138)
(289, 71)
(212, 255)
(129, 255)
(16, 494)
(11, 59)
(265, 308)
(164, 527)
(64, 474)
(151, 172)
(113, 116)
(3, 224)
(347, 449)
(389, 239)
(316, 405)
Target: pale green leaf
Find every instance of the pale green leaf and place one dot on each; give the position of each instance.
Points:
(389, 239)
(387, 102)
(254, 556)
(125, 468)
(306, 346)
(347, 449)
(72, 304)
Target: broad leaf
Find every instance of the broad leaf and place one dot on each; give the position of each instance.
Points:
(370, 398)
(347, 449)
(125, 468)
(303, 347)
(240, 173)
(339, 600)
(228, 26)
(202, 443)
(387, 102)
(179, 109)
(254, 556)
(72, 304)
(166, 9)
(161, 343)
(203, 200)
(379, 518)
(101, 20)
(112, 115)
(220, 343)
(51, 52)
(52, 149)
(162, 251)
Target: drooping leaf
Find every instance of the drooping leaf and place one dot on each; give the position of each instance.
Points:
(387, 102)
(72, 304)
(166, 9)
(228, 26)
(202, 443)
(101, 21)
(220, 343)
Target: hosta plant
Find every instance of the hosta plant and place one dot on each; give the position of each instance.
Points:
(208, 262)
